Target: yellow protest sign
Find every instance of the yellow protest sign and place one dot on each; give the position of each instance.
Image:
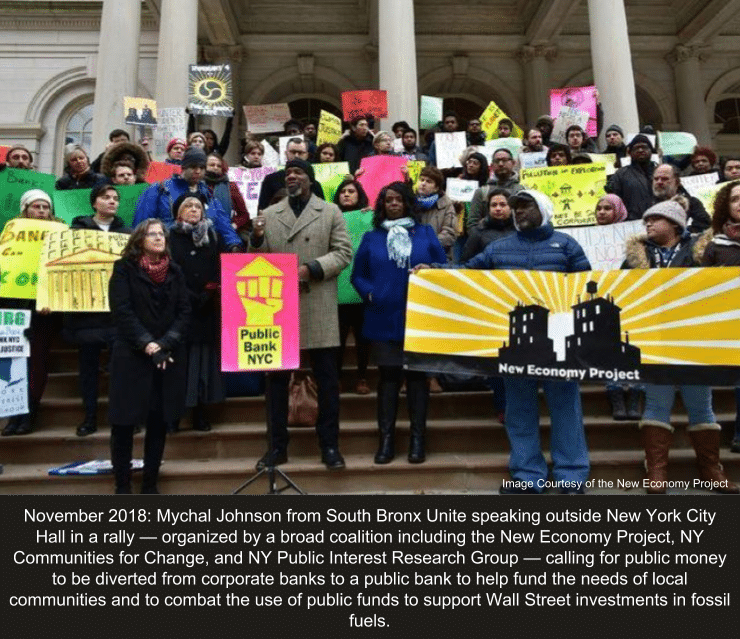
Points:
(707, 194)
(490, 119)
(414, 167)
(330, 128)
(75, 268)
(574, 190)
(20, 249)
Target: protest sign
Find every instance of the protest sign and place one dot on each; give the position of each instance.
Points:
(663, 325)
(574, 190)
(139, 111)
(358, 223)
(266, 118)
(283, 145)
(129, 195)
(609, 159)
(71, 203)
(171, 123)
(14, 183)
(696, 183)
(379, 171)
(581, 98)
(491, 117)
(449, 148)
(210, 90)
(707, 194)
(13, 343)
(604, 245)
(567, 117)
(249, 182)
(676, 142)
(259, 309)
(414, 168)
(534, 160)
(359, 104)
(13, 386)
(398, 145)
(461, 190)
(159, 171)
(75, 268)
(330, 175)
(4, 153)
(430, 111)
(330, 129)
(270, 157)
(23, 240)
(512, 145)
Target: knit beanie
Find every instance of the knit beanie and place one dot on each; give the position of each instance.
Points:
(641, 138)
(670, 209)
(617, 128)
(194, 156)
(174, 141)
(303, 165)
(32, 196)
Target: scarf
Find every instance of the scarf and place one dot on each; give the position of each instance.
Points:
(732, 230)
(157, 271)
(427, 202)
(398, 241)
(199, 231)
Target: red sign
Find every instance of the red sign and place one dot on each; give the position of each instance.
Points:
(159, 171)
(3, 152)
(358, 104)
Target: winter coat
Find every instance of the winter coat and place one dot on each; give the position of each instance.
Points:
(353, 150)
(220, 190)
(276, 181)
(487, 231)
(478, 205)
(442, 217)
(145, 312)
(87, 181)
(117, 151)
(376, 275)
(319, 238)
(642, 253)
(157, 200)
(620, 151)
(721, 251)
(635, 187)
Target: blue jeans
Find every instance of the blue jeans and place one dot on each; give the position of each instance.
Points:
(659, 400)
(567, 438)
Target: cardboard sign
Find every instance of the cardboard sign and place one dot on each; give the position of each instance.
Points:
(665, 325)
(171, 123)
(358, 223)
(360, 104)
(430, 112)
(75, 269)
(159, 171)
(695, 184)
(567, 117)
(249, 182)
(260, 312)
(210, 90)
(270, 157)
(330, 129)
(609, 159)
(676, 142)
(13, 343)
(581, 98)
(574, 190)
(379, 171)
(535, 160)
(266, 118)
(330, 175)
(449, 148)
(23, 240)
(604, 245)
(461, 190)
(13, 386)
(140, 111)
(14, 183)
(491, 117)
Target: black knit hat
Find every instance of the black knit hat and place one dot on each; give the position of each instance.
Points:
(194, 156)
(303, 166)
(615, 127)
(640, 138)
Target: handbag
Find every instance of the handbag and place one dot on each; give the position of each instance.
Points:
(303, 400)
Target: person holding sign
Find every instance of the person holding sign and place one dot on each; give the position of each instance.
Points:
(559, 155)
(633, 183)
(150, 304)
(175, 150)
(326, 153)
(703, 160)
(435, 208)
(45, 326)
(316, 232)
(252, 154)
(578, 140)
(399, 242)
(357, 145)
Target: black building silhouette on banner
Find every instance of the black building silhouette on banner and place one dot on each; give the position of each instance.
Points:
(528, 340)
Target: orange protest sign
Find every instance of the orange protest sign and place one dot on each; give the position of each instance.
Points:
(159, 171)
(358, 104)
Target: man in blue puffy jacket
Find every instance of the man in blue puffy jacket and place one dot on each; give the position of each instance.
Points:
(157, 200)
(537, 246)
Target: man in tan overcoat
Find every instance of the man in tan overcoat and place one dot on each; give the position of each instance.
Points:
(316, 232)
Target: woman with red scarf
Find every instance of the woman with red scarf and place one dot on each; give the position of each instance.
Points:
(151, 312)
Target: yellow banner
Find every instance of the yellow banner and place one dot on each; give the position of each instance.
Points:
(414, 167)
(490, 119)
(20, 248)
(594, 325)
(574, 190)
(330, 128)
(75, 269)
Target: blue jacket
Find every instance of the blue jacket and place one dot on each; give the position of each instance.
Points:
(156, 201)
(374, 273)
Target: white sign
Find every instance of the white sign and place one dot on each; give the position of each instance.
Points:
(13, 386)
(534, 160)
(449, 148)
(270, 157)
(171, 123)
(696, 184)
(249, 182)
(513, 145)
(568, 117)
(461, 190)
(604, 245)
(266, 118)
(13, 342)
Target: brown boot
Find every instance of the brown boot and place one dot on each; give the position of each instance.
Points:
(657, 442)
(706, 445)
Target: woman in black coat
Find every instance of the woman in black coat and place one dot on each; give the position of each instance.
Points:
(195, 248)
(151, 311)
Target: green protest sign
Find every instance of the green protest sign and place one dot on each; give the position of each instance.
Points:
(330, 175)
(676, 142)
(70, 204)
(358, 223)
(14, 183)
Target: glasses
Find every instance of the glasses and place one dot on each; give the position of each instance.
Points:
(155, 234)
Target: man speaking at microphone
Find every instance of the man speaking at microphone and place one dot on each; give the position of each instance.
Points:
(316, 232)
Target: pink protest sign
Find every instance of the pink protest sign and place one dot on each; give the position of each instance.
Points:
(259, 310)
(380, 170)
(581, 98)
(358, 104)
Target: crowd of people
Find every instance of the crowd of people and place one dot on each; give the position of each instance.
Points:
(163, 327)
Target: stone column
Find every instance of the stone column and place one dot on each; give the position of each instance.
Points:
(690, 91)
(397, 61)
(536, 61)
(178, 49)
(612, 63)
(117, 68)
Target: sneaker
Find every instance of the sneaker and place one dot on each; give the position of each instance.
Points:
(279, 457)
(332, 458)
(362, 387)
(86, 428)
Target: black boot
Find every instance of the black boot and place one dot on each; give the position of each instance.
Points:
(121, 448)
(418, 401)
(27, 423)
(616, 399)
(633, 404)
(388, 390)
(154, 440)
(199, 418)
(11, 428)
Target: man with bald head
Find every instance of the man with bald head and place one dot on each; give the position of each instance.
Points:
(667, 184)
